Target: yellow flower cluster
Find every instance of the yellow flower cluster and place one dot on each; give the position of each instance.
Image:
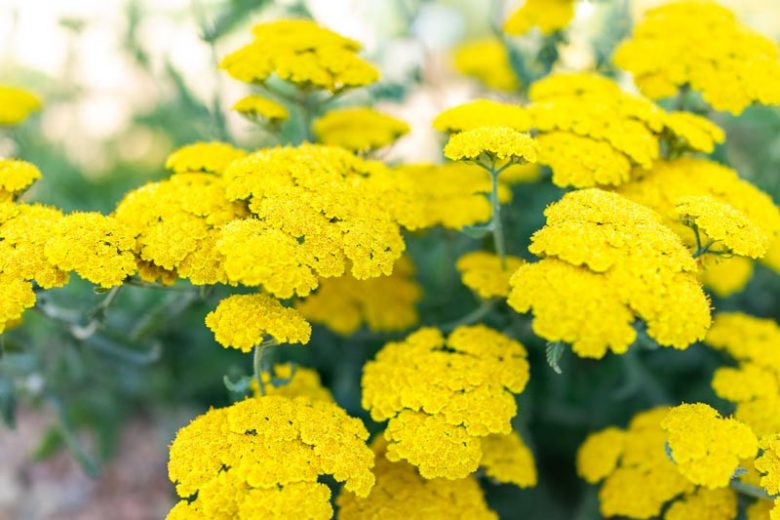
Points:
(704, 504)
(592, 133)
(487, 60)
(242, 321)
(401, 493)
(768, 464)
(755, 384)
(358, 129)
(548, 15)
(98, 248)
(301, 52)
(506, 459)
(483, 273)
(720, 223)
(210, 157)
(385, 303)
(298, 382)
(15, 177)
(496, 142)
(482, 112)
(257, 108)
(639, 478)
(16, 105)
(607, 259)
(672, 47)
(315, 209)
(706, 447)
(262, 457)
(442, 397)
(452, 195)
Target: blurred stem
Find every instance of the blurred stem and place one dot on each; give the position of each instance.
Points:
(750, 490)
(472, 317)
(258, 366)
(498, 226)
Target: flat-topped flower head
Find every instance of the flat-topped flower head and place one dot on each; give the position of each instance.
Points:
(484, 273)
(727, 230)
(292, 381)
(673, 47)
(506, 459)
(706, 447)
(710, 504)
(693, 132)
(303, 53)
(487, 60)
(442, 397)
(498, 143)
(208, 157)
(260, 108)
(768, 464)
(548, 16)
(482, 112)
(16, 176)
(243, 321)
(359, 129)
(16, 105)
(16, 296)
(262, 458)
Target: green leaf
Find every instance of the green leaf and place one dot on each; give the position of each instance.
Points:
(477, 231)
(51, 443)
(555, 352)
(240, 387)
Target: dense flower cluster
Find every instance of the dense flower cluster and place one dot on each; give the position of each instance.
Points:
(16, 105)
(262, 457)
(207, 157)
(607, 260)
(15, 177)
(484, 273)
(548, 15)
(443, 396)
(294, 382)
(673, 47)
(488, 61)
(483, 112)
(506, 458)
(358, 129)
(497, 142)
(259, 108)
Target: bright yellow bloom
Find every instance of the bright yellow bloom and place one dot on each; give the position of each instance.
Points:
(482, 112)
(497, 142)
(16, 105)
(599, 455)
(256, 107)
(694, 132)
(98, 248)
(15, 297)
(483, 273)
(359, 129)
(211, 157)
(487, 60)
(16, 176)
(298, 382)
(548, 15)
(243, 321)
(704, 504)
(262, 457)
(303, 53)
(673, 46)
(725, 276)
(441, 397)
(149, 272)
(385, 303)
(581, 161)
(507, 459)
(401, 493)
(706, 447)
(729, 229)
(607, 260)
(768, 464)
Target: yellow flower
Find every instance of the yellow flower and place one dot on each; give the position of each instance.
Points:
(498, 142)
(98, 248)
(299, 382)
(706, 447)
(694, 132)
(731, 230)
(746, 338)
(606, 260)
(725, 276)
(15, 297)
(256, 107)
(760, 510)
(599, 455)
(243, 321)
(303, 53)
(482, 112)
(581, 161)
(548, 15)
(487, 60)
(704, 504)
(441, 397)
(401, 493)
(385, 303)
(507, 459)
(483, 273)
(672, 46)
(359, 129)
(16, 105)
(16, 176)
(262, 458)
(211, 157)
(768, 464)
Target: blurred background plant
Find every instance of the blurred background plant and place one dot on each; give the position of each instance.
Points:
(125, 82)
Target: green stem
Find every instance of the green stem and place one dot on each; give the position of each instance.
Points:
(258, 365)
(700, 250)
(750, 490)
(498, 227)
(472, 317)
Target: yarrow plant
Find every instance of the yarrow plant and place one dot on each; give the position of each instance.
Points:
(594, 211)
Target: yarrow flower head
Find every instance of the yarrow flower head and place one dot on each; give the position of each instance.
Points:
(499, 143)
(16, 176)
(768, 464)
(607, 260)
(210, 157)
(358, 129)
(16, 105)
(706, 447)
(262, 458)
(672, 47)
(487, 60)
(303, 53)
(482, 112)
(259, 108)
(292, 381)
(484, 273)
(506, 459)
(693, 132)
(243, 321)
(548, 15)
(443, 396)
